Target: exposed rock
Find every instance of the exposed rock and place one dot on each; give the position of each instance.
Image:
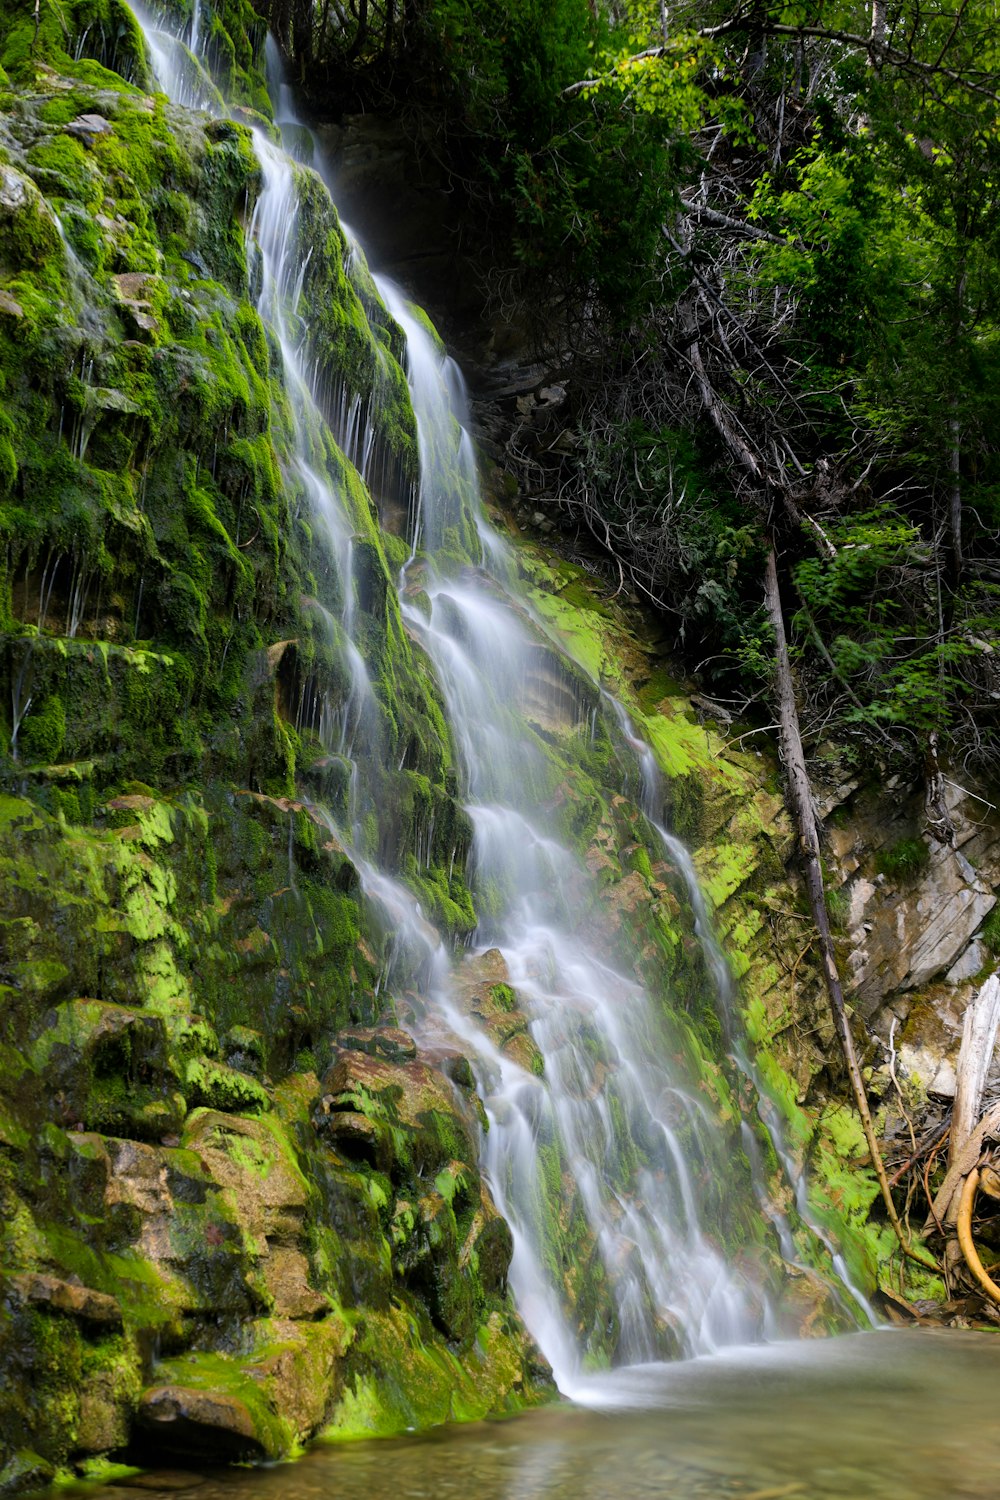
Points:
(256, 1164)
(203, 1424)
(89, 127)
(61, 1296)
(410, 1095)
(301, 1370)
(968, 964)
(287, 1274)
(904, 937)
(380, 1041)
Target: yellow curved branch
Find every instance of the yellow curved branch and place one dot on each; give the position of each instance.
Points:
(964, 1226)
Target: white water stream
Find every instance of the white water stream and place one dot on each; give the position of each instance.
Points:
(606, 1133)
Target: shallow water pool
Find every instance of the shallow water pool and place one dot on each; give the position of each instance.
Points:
(910, 1415)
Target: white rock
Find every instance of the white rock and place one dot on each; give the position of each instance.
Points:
(968, 963)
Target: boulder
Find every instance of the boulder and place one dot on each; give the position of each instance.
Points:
(88, 128)
(198, 1423)
(427, 1122)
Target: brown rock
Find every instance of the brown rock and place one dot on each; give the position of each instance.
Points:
(286, 1272)
(301, 1373)
(133, 285)
(245, 1155)
(62, 1296)
(380, 1041)
(353, 1135)
(201, 1423)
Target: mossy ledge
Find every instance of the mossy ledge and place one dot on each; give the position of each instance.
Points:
(197, 1253)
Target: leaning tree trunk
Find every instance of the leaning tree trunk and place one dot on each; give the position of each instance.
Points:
(803, 809)
(741, 449)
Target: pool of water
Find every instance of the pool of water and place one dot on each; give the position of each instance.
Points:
(911, 1415)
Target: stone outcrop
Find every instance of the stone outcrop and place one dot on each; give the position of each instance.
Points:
(916, 937)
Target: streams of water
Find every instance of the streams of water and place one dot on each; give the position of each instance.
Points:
(632, 1140)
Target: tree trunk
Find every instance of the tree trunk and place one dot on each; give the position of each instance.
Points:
(803, 809)
(955, 491)
(979, 1039)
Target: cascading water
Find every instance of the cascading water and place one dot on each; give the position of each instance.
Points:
(602, 1134)
(587, 1019)
(725, 994)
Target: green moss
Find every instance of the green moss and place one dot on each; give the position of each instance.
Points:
(43, 732)
(903, 860)
(218, 1373)
(213, 1085)
(990, 930)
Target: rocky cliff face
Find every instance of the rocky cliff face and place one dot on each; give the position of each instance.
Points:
(235, 1205)
(239, 1206)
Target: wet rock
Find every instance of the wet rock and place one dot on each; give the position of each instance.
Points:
(354, 1135)
(525, 1051)
(449, 1297)
(412, 1098)
(62, 1296)
(243, 1049)
(204, 1424)
(256, 1163)
(136, 289)
(490, 1241)
(286, 1272)
(485, 992)
(88, 128)
(458, 1068)
(381, 1041)
(108, 1068)
(301, 1372)
(25, 1472)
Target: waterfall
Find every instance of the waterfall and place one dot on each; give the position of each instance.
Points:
(598, 1135)
(587, 1019)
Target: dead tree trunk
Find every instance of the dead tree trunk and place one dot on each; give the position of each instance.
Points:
(979, 1039)
(749, 458)
(951, 1213)
(803, 810)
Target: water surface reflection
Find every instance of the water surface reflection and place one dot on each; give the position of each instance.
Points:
(876, 1416)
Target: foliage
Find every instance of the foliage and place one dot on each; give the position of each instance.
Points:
(903, 860)
(990, 931)
(818, 323)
